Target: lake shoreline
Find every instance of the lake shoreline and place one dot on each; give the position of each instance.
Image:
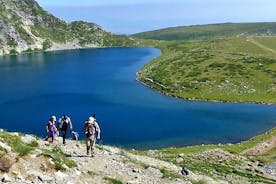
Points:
(137, 73)
(138, 78)
(200, 100)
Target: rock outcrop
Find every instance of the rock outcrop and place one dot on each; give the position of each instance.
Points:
(26, 27)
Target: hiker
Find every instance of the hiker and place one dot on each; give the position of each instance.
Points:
(63, 124)
(51, 128)
(92, 131)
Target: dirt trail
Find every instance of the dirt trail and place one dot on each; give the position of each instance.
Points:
(113, 162)
(262, 147)
(250, 39)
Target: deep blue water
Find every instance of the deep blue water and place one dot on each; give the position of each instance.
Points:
(82, 82)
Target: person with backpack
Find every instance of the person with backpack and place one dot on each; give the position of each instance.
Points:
(63, 124)
(92, 132)
(51, 128)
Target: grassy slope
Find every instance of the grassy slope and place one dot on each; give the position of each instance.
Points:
(229, 69)
(230, 165)
(233, 148)
(209, 31)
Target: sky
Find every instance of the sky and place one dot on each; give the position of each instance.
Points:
(133, 16)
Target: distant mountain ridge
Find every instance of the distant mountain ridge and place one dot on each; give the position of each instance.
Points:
(26, 27)
(208, 31)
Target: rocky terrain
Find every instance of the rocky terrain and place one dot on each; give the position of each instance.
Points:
(28, 159)
(26, 27)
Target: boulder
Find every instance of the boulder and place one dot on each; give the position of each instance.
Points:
(151, 153)
(5, 163)
(179, 160)
(28, 139)
(45, 178)
(5, 178)
(6, 147)
(60, 175)
(154, 172)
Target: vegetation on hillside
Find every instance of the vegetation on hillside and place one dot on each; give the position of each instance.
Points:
(226, 162)
(221, 62)
(199, 32)
(204, 163)
(229, 69)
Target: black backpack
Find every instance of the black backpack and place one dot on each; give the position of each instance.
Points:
(64, 124)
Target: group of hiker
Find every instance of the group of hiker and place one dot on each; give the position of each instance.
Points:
(91, 129)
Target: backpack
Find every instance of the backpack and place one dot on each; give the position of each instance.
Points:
(184, 171)
(63, 124)
(90, 129)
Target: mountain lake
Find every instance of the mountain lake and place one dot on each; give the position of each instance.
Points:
(103, 81)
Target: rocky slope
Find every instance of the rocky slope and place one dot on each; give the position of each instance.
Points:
(28, 159)
(26, 27)
(57, 163)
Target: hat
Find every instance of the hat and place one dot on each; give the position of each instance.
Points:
(91, 119)
(53, 117)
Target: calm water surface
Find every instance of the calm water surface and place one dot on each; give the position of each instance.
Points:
(102, 81)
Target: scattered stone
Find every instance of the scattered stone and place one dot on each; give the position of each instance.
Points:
(135, 170)
(51, 161)
(155, 172)
(6, 147)
(150, 153)
(60, 174)
(179, 160)
(78, 173)
(28, 139)
(133, 182)
(65, 166)
(45, 178)
(6, 178)
(105, 153)
(14, 133)
(5, 163)
(271, 169)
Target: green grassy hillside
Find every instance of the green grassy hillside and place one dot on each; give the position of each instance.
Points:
(209, 31)
(229, 69)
